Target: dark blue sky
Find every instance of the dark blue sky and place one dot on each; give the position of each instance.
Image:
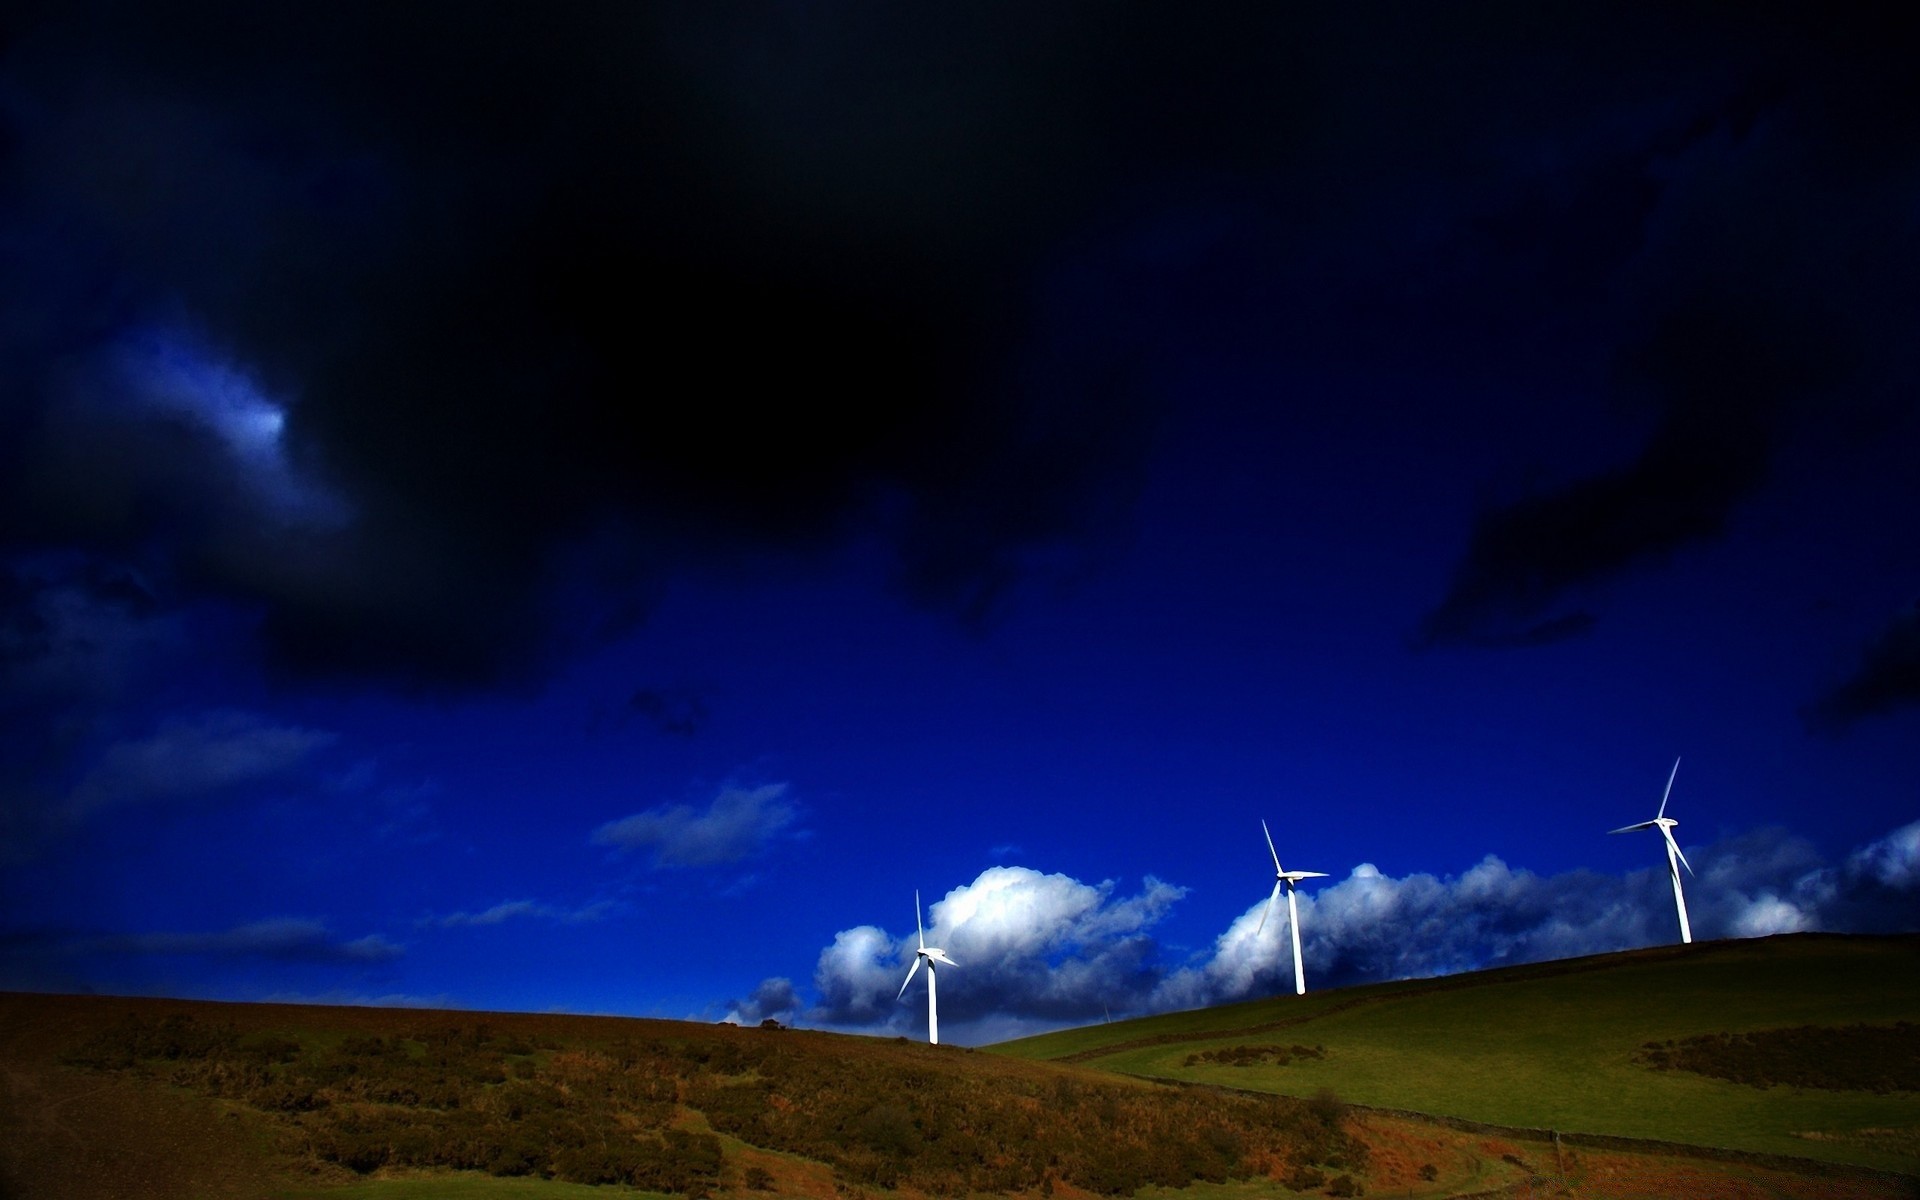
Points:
(590, 509)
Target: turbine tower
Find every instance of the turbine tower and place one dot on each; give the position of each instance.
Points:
(1286, 879)
(1675, 859)
(932, 956)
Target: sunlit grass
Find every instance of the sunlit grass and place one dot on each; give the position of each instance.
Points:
(1553, 1048)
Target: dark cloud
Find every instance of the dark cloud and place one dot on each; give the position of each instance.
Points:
(1888, 678)
(411, 329)
(1724, 377)
(678, 711)
(396, 326)
(1555, 629)
(78, 637)
(1739, 305)
(773, 1000)
(74, 628)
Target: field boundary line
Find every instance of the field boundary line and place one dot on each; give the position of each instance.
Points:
(1789, 1163)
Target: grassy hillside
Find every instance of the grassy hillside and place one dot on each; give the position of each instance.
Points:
(1564, 1046)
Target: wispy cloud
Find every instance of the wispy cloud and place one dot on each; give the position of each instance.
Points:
(522, 910)
(204, 755)
(286, 939)
(738, 824)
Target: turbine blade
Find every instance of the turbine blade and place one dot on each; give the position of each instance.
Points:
(1675, 847)
(918, 928)
(1268, 911)
(1633, 828)
(909, 978)
(1270, 849)
(1668, 792)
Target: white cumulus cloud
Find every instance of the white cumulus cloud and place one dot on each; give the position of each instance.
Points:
(1038, 951)
(1033, 950)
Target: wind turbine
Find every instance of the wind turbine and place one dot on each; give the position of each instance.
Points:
(1675, 859)
(1286, 879)
(931, 956)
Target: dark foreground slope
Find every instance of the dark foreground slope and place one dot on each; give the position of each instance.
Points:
(115, 1097)
(1797, 1045)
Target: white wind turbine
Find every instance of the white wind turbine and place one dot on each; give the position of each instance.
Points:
(932, 956)
(1286, 879)
(1675, 859)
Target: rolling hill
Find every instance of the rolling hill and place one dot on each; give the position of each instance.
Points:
(1794, 1045)
(158, 1099)
(108, 1097)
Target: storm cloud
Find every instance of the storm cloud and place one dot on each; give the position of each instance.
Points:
(407, 330)
(1887, 678)
(402, 354)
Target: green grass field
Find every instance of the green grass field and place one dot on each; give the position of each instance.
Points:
(1551, 1046)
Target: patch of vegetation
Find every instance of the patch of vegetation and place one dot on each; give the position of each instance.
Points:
(439, 1097)
(1251, 1056)
(953, 1132)
(636, 1110)
(1851, 1058)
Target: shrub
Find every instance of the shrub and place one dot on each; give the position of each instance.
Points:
(1327, 1108)
(1870, 1058)
(1304, 1178)
(174, 1038)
